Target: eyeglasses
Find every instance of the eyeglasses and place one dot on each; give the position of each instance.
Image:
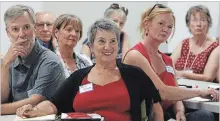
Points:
(157, 5)
(202, 21)
(117, 6)
(41, 25)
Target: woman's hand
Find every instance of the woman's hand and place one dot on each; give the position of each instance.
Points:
(27, 111)
(180, 116)
(180, 74)
(210, 93)
(42, 109)
(22, 111)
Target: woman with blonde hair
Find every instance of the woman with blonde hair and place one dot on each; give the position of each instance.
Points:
(157, 24)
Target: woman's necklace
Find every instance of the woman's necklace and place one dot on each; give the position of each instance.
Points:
(199, 50)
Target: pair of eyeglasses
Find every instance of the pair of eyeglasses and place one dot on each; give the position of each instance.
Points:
(41, 25)
(117, 6)
(157, 5)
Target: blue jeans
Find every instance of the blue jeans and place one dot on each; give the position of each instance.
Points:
(191, 115)
(200, 115)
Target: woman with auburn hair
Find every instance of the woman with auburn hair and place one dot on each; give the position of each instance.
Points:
(157, 24)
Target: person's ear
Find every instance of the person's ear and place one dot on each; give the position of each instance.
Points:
(8, 34)
(6, 29)
(92, 48)
(147, 24)
(146, 27)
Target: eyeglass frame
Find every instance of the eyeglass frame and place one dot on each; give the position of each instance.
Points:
(117, 6)
(41, 25)
(156, 5)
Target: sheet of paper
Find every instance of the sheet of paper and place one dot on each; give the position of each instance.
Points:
(47, 117)
(199, 99)
(171, 119)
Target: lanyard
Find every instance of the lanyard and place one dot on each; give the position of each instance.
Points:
(195, 56)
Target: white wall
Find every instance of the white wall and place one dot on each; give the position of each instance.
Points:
(218, 27)
(91, 11)
(180, 9)
(5, 42)
(88, 12)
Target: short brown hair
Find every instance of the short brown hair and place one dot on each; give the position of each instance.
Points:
(66, 19)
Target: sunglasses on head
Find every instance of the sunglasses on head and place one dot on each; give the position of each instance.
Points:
(117, 6)
(158, 6)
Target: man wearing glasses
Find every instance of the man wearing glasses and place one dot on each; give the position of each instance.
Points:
(29, 72)
(44, 27)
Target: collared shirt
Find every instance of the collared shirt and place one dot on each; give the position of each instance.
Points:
(39, 73)
(46, 45)
(82, 61)
(43, 43)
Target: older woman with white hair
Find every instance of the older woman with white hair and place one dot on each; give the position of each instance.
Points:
(118, 14)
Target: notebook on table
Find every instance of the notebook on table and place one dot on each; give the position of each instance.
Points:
(75, 116)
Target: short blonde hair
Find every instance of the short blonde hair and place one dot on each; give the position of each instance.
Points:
(150, 13)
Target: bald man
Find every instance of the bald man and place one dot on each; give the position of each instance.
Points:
(44, 27)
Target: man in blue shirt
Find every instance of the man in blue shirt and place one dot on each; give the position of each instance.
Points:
(44, 27)
(30, 73)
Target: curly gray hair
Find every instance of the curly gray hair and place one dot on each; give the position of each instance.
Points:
(103, 24)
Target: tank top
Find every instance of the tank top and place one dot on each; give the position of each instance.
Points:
(196, 63)
(167, 77)
(103, 102)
